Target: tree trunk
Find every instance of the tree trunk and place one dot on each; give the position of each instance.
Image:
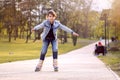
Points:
(65, 37)
(9, 33)
(28, 35)
(74, 38)
(15, 33)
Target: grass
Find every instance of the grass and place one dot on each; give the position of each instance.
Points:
(19, 50)
(112, 59)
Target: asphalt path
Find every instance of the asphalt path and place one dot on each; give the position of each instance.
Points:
(79, 64)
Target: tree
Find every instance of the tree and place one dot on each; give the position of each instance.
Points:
(9, 17)
(116, 17)
(27, 8)
(76, 14)
(41, 9)
(96, 26)
(1, 17)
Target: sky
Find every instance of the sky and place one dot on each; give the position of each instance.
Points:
(99, 5)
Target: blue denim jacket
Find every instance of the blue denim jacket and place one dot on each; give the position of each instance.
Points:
(46, 28)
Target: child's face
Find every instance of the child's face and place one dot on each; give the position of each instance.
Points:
(51, 18)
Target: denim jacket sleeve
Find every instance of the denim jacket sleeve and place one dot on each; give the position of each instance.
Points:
(37, 27)
(65, 28)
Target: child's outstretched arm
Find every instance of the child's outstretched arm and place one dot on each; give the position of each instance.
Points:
(39, 26)
(65, 28)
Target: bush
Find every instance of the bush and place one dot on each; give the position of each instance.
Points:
(114, 49)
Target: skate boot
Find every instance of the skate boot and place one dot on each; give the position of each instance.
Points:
(55, 65)
(39, 66)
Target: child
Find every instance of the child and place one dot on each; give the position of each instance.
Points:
(49, 35)
(100, 44)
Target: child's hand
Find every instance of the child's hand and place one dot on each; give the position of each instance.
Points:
(32, 30)
(75, 34)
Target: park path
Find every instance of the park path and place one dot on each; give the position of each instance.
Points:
(79, 64)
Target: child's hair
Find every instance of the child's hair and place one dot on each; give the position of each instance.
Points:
(52, 12)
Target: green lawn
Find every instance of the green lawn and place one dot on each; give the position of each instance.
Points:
(19, 50)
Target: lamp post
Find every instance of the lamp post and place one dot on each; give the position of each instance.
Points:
(115, 31)
(104, 17)
(109, 24)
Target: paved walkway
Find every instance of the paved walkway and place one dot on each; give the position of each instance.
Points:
(79, 64)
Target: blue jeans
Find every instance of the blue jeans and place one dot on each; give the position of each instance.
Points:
(46, 43)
